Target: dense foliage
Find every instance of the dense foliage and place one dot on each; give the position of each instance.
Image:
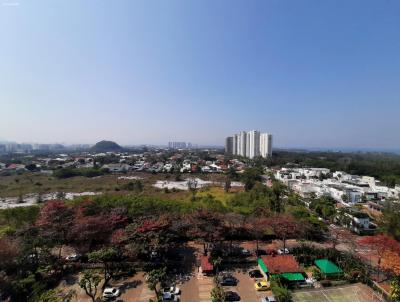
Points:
(72, 172)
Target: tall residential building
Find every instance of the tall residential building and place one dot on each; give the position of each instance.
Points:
(265, 145)
(242, 139)
(235, 144)
(249, 144)
(229, 145)
(253, 144)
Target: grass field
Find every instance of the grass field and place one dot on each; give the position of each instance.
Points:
(217, 192)
(352, 293)
(15, 185)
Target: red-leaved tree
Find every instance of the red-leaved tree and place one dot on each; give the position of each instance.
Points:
(285, 227)
(55, 221)
(382, 245)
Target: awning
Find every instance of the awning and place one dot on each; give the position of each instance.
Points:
(327, 267)
(293, 276)
(262, 265)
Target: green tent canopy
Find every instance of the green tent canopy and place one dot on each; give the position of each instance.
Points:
(328, 267)
(262, 265)
(293, 276)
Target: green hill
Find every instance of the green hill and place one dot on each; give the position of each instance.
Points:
(106, 146)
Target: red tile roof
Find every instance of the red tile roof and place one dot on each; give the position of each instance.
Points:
(281, 264)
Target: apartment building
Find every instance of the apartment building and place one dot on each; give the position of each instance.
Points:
(249, 144)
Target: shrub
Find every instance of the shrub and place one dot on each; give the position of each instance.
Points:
(326, 283)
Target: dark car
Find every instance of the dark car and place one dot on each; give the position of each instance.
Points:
(255, 273)
(232, 296)
(260, 252)
(228, 281)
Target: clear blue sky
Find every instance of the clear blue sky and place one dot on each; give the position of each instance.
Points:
(314, 73)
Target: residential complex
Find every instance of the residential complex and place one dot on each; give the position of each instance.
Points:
(179, 145)
(345, 188)
(249, 144)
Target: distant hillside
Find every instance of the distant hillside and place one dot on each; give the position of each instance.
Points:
(106, 146)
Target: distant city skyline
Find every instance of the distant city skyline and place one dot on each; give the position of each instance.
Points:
(316, 74)
(276, 148)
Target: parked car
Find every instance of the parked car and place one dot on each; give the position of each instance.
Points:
(225, 274)
(245, 252)
(283, 251)
(73, 257)
(172, 289)
(260, 252)
(268, 299)
(261, 285)
(111, 292)
(255, 273)
(168, 297)
(232, 296)
(228, 281)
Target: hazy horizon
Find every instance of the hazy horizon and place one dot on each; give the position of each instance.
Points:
(323, 75)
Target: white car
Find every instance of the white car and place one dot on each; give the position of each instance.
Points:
(73, 257)
(168, 297)
(268, 299)
(173, 290)
(281, 251)
(111, 292)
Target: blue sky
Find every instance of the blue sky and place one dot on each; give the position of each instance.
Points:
(314, 73)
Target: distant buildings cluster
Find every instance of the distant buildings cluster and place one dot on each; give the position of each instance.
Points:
(28, 148)
(343, 187)
(249, 144)
(179, 145)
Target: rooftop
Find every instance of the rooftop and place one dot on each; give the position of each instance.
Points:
(281, 264)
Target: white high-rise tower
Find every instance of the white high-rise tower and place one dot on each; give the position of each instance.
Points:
(253, 144)
(265, 145)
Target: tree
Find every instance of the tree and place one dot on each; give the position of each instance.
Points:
(60, 195)
(324, 206)
(381, 245)
(257, 227)
(235, 223)
(192, 187)
(206, 226)
(89, 282)
(395, 289)
(8, 252)
(390, 219)
(217, 294)
(282, 293)
(278, 190)
(109, 258)
(232, 174)
(155, 277)
(391, 261)
(150, 234)
(216, 263)
(227, 186)
(90, 225)
(53, 295)
(31, 167)
(284, 227)
(55, 221)
(250, 176)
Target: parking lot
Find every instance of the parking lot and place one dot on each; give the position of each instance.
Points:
(245, 288)
(198, 288)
